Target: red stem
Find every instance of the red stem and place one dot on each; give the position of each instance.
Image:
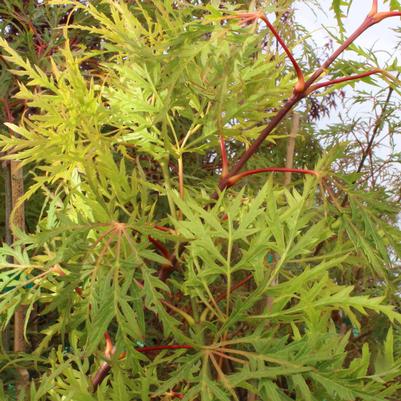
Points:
(234, 287)
(299, 87)
(234, 179)
(164, 229)
(105, 368)
(254, 16)
(344, 79)
(108, 352)
(375, 7)
(381, 16)
(163, 250)
(263, 135)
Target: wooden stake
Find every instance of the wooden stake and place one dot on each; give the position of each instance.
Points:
(20, 344)
(291, 147)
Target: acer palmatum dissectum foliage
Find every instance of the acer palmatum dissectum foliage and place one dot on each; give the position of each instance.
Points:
(207, 294)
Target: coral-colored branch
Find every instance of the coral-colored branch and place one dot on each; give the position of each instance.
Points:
(234, 287)
(224, 161)
(234, 179)
(177, 395)
(105, 367)
(7, 110)
(314, 88)
(300, 85)
(374, 9)
(164, 229)
(109, 350)
(251, 17)
(171, 263)
(161, 228)
(260, 139)
(383, 15)
(167, 269)
(78, 290)
(380, 16)
(158, 245)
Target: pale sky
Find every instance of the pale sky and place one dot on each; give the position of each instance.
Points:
(380, 37)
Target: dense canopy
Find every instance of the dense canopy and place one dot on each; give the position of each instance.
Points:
(180, 220)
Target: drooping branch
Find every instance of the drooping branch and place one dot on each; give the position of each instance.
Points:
(366, 152)
(300, 85)
(234, 179)
(105, 367)
(171, 259)
(158, 245)
(234, 287)
(254, 16)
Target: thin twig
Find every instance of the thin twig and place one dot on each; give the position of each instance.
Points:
(234, 179)
(375, 133)
(314, 88)
(300, 85)
(105, 367)
(234, 287)
(248, 17)
(163, 250)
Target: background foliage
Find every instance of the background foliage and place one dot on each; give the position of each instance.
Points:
(116, 110)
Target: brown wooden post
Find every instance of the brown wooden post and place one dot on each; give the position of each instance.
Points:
(14, 190)
(291, 147)
(20, 344)
(5, 334)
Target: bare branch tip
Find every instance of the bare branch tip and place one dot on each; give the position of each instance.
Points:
(295, 64)
(108, 352)
(374, 9)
